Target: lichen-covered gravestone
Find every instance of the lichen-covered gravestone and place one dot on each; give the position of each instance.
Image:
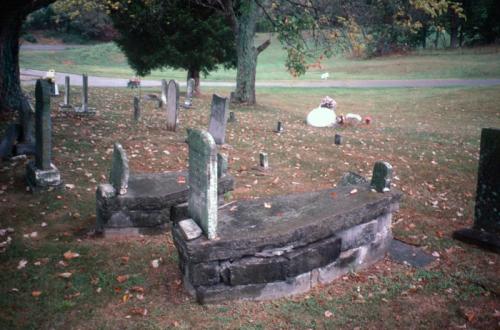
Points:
(119, 174)
(85, 109)
(172, 105)
(382, 176)
(188, 102)
(202, 200)
(218, 118)
(41, 173)
(162, 103)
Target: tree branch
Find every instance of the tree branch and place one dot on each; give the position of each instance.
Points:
(263, 46)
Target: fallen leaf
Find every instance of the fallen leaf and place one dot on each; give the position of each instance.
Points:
(68, 255)
(333, 194)
(138, 289)
(65, 275)
(125, 297)
(22, 264)
(328, 314)
(155, 263)
(181, 180)
(267, 205)
(139, 311)
(122, 278)
(124, 259)
(352, 192)
(36, 293)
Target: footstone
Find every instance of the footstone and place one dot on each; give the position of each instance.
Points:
(218, 118)
(137, 109)
(42, 173)
(409, 255)
(189, 229)
(202, 200)
(382, 176)
(119, 174)
(7, 143)
(172, 105)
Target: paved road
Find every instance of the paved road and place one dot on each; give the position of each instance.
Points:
(46, 48)
(29, 76)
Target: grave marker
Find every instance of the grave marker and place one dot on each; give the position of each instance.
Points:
(163, 97)
(41, 173)
(279, 127)
(66, 105)
(119, 174)
(202, 200)
(172, 105)
(232, 117)
(137, 109)
(85, 109)
(188, 102)
(382, 176)
(222, 165)
(264, 160)
(218, 118)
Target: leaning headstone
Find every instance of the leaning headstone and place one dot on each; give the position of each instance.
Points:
(486, 230)
(188, 102)
(119, 174)
(41, 173)
(85, 109)
(66, 105)
(382, 176)
(162, 102)
(172, 105)
(137, 109)
(218, 118)
(202, 200)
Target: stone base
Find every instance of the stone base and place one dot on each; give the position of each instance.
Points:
(25, 149)
(484, 239)
(66, 107)
(147, 204)
(85, 111)
(42, 179)
(302, 240)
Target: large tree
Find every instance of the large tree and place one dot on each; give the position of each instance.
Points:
(175, 33)
(12, 15)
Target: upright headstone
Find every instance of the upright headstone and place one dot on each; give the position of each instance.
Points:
(188, 102)
(202, 199)
(279, 127)
(119, 174)
(163, 94)
(218, 118)
(264, 160)
(338, 139)
(486, 229)
(137, 109)
(222, 164)
(172, 105)
(85, 109)
(66, 105)
(382, 176)
(41, 173)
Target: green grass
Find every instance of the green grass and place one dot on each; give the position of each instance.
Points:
(410, 129)
(107, 60)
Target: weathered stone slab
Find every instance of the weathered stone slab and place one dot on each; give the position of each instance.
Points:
(189, 229)
(222, 164)
(487, 210)
(119, 174)
(382, 176)
(248, 227)
(204, 273)
(358, 235)
(409, 255)
(218, 118)
(172, 105)
(163, 96)
(351, 178)
(202, 199)
(188, 102)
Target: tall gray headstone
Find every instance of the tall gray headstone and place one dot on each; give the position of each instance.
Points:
(188, 102)
(222, 164)
(119, 174)
(202, 199)
(42, 173)
(264, 160)
(67, 88)
(172, 105)
(218, 118)
(382, 176)
(85, 109)
(137, 109)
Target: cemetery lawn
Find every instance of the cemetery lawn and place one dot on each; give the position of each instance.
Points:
(430, 136)
(108, 61)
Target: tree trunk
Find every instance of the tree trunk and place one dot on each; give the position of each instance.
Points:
(246, 53)
(11, 96)
(423, 36)
(195, 74)
(453, 29)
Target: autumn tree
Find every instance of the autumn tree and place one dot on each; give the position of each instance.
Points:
(178, 34)
(12, 15)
